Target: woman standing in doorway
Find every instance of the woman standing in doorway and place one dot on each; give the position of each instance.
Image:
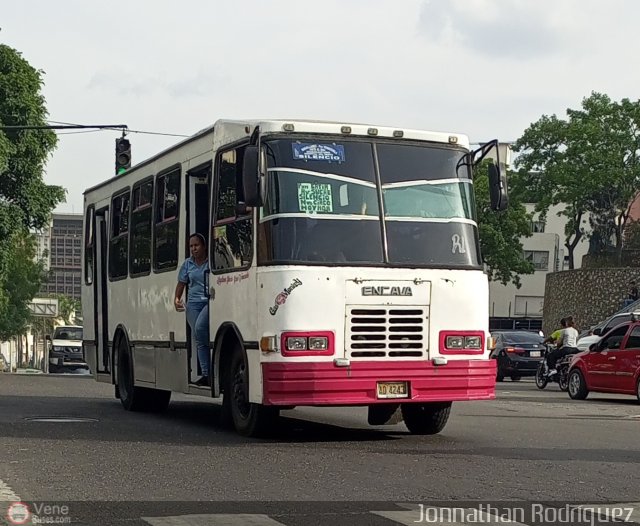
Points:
(192, 273)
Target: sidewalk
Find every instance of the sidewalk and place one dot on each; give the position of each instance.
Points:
(28, 370)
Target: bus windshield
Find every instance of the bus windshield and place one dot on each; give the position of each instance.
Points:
(323, 203)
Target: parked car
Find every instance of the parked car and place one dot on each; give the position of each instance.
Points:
(585, 342)
(65, 349)
(517, 353)
(611, 365)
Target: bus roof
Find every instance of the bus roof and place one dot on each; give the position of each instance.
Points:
(269, 126)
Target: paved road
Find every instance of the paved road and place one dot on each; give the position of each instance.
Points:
(326, 466)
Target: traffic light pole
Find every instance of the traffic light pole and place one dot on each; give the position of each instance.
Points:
(123, 146)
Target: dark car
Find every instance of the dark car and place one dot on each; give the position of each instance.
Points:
(517, 353)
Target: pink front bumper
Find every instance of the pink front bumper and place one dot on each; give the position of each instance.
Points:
(323, 383)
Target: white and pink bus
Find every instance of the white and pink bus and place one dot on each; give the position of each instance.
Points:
(345, 270)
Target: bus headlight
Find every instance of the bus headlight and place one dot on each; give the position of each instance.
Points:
(311, 343)
(455, 342)
(473, 342)
(296, 343)
(461, 342)
(318, 343)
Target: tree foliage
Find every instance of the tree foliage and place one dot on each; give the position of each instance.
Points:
(588, 162)
(21, 282)
(26, 202)
(501, 232)
(67, 308)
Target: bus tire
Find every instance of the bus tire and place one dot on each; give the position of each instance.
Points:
(426, 419)
(135, 398)
(249, 419)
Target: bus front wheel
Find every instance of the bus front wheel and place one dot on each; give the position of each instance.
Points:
(426, 419)
(249, 419)
(136, 398)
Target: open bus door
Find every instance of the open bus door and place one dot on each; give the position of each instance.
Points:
(103, 361)
(198, 205)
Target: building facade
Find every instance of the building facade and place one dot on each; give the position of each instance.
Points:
(65, 256)
(43, 241)
(513, 308)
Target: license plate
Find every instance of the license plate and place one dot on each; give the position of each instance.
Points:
(393, 390)
(534, 354)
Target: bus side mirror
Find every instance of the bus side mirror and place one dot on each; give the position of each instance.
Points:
(251, 176)
(498, 188)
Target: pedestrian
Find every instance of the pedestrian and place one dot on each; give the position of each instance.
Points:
(632, 296)
(633, 291)
(192, 274)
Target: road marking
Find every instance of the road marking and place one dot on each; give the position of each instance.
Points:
(408, 518)
(453, 516)
(7, 498)
(214, 519)
(7, 494)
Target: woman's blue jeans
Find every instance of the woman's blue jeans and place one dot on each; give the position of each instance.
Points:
(198, 319)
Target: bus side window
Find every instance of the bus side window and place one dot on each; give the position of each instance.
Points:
(140, 229)
(232, 247)
(119, 241)
(166, 234)
(89, 243)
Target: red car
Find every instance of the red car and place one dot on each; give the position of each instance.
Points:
(611, 365)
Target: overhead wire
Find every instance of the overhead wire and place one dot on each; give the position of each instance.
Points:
(128, 130)
(76, 132)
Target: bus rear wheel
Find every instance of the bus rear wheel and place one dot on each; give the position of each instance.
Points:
(426, 419)
(135, 398)
(249, 419)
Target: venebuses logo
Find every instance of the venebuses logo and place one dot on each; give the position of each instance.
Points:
(18, 513)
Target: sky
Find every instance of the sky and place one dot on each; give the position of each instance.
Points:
(485, 68)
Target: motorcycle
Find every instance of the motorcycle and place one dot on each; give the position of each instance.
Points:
(562, 366)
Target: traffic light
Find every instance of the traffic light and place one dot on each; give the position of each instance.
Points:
(123, 155)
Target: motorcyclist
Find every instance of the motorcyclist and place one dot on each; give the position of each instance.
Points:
(566, 345)
(555, 336)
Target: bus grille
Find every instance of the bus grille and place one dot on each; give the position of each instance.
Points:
(386, 332)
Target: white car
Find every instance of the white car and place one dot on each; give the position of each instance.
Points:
(65, 349)
(585, 342)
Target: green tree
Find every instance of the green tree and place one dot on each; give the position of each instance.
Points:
(589, 163)
(26, 202)
(21, 282)
(501, 232)
(67, 308)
